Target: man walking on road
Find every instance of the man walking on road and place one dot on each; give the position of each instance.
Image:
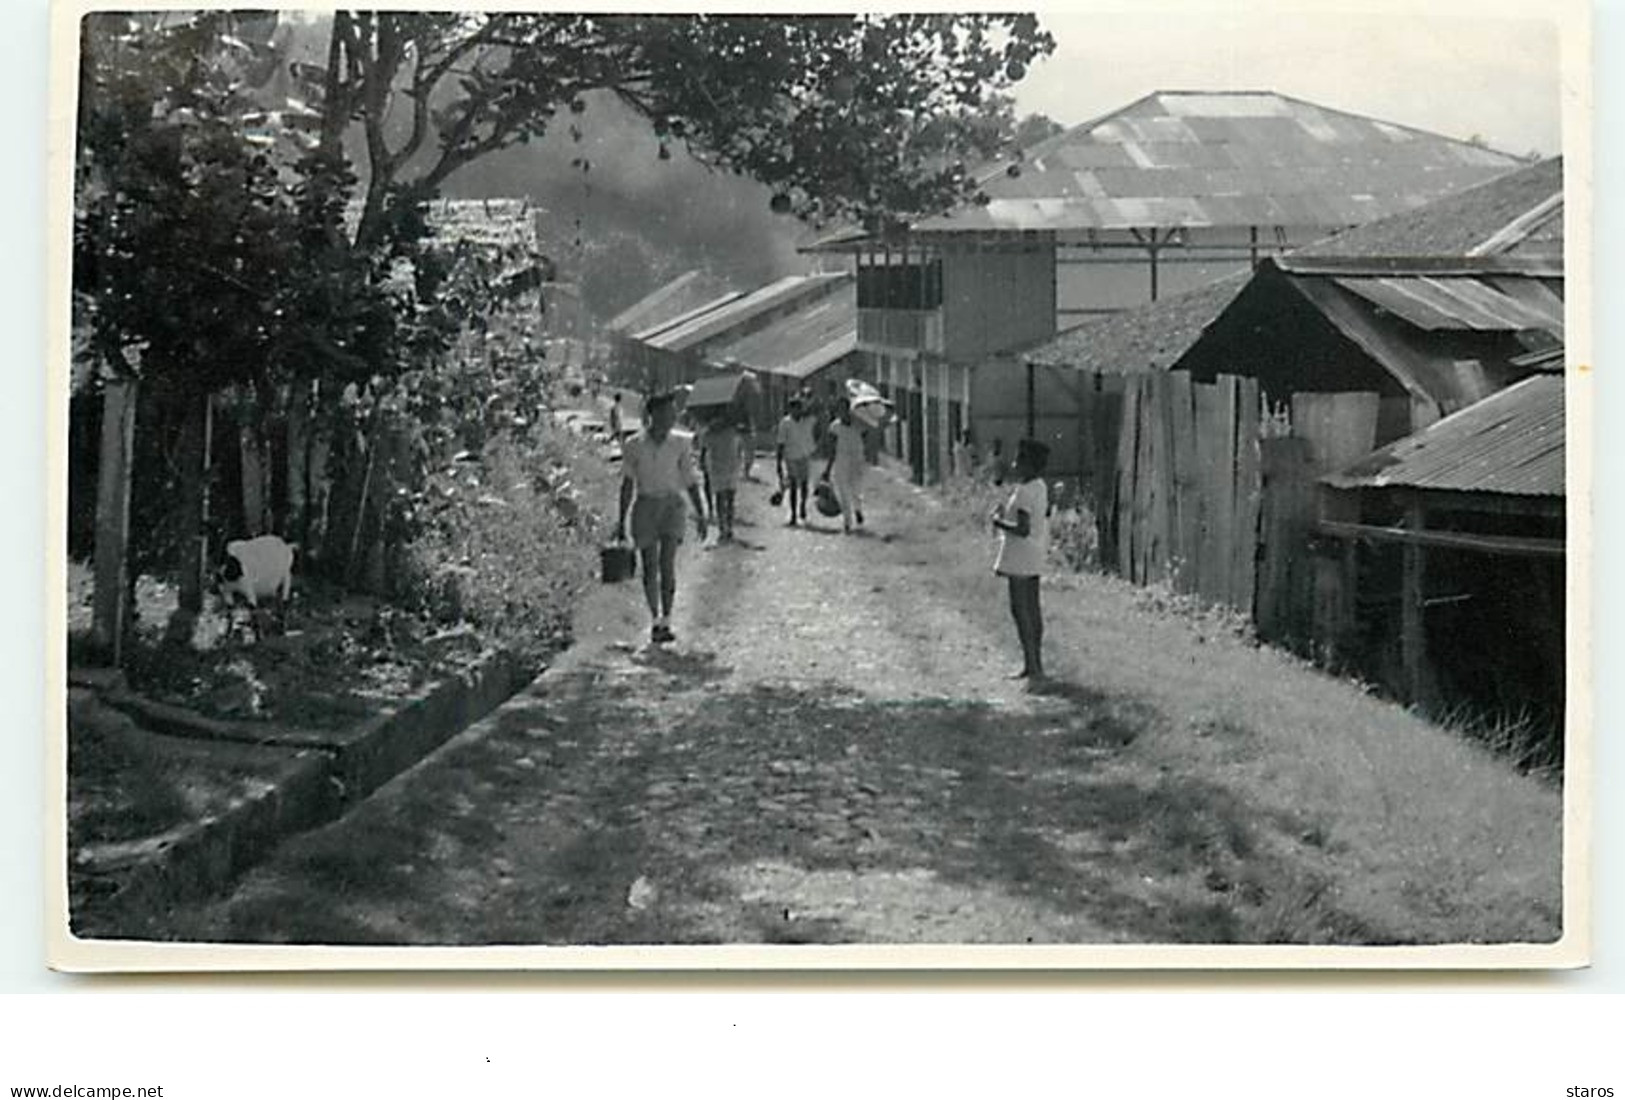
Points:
(796, 447)
(846, 467)
(657, 470)
(1023, 525)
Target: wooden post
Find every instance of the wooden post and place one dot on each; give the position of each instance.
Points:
(110, 614)
(945, 450)
(321, 485)
(1212, 473)
(1128, 448)
(1287, 510)
(1224, 506)
(1186, 486)
(1163, 519)
(1245, 563)
(1107, 427)
(1412, 626)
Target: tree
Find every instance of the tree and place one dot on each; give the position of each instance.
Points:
(232, 231)
(867, 116)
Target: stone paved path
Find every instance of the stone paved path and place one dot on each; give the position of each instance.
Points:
(830, 753)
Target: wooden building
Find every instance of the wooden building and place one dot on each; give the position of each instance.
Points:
(1430, 310)
(1168, 193)
(796, 334)
(1454, 548)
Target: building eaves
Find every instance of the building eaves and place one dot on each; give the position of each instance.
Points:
(715, 323)
(1509, 443)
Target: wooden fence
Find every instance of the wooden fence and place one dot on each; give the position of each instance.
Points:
(1190, 489)
(1174, 470)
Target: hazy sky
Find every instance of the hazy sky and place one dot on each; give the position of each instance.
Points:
(1496, 75)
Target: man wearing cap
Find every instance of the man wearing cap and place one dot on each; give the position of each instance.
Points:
(657, 469)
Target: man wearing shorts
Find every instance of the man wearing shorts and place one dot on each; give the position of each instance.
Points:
(657, 469)
(796, 447)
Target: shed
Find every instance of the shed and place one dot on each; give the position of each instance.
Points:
(1463, 529)
(1382, 309)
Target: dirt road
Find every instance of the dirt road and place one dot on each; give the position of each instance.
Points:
(831, 753)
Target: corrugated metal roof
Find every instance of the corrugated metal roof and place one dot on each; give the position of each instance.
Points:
(716, 304)
(1465, 222)
(675, 299)
(1453, 303)
(1511, 442)
(710, 323)
(1282, 161)
(802, 343)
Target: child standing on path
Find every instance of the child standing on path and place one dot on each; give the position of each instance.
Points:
(846, 466)
(657, 469)
(1023, 524)
(721, 447)
(796, 447)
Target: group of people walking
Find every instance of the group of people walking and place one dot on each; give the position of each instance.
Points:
(660, 469)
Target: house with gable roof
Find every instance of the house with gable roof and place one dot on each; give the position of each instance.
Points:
(1168, 193)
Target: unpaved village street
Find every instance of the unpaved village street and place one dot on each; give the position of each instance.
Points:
(832, 753)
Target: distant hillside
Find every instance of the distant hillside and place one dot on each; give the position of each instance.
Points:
(633, 221)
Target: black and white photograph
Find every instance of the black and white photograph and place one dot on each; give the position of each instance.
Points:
(1019, 489)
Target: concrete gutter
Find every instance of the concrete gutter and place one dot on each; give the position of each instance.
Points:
(124, 887)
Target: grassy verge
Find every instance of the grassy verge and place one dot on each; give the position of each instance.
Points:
(1378, 820)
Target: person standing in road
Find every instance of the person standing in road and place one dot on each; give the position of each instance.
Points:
(720, 446)
(794, 453)
(615, 418)
(845, 468)
(657, 470)
(1023, 526)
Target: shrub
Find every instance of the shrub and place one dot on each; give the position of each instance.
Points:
(507, 540)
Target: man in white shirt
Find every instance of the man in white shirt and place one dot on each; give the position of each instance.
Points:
(796, 447)
(657, 469)
(846, 467)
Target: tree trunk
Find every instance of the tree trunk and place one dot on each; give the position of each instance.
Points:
(321, 489)
(299, 398)
(111, 613)
(196, 432)
(255, 445)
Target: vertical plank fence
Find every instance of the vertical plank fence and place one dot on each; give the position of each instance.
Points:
(1187, 492)
(1175, 472)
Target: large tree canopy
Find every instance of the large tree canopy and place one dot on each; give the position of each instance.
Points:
(245, 213)
(867, 116)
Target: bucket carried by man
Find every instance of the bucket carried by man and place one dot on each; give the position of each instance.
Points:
(617, 562)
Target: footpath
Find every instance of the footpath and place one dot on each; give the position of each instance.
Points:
(832, 752)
